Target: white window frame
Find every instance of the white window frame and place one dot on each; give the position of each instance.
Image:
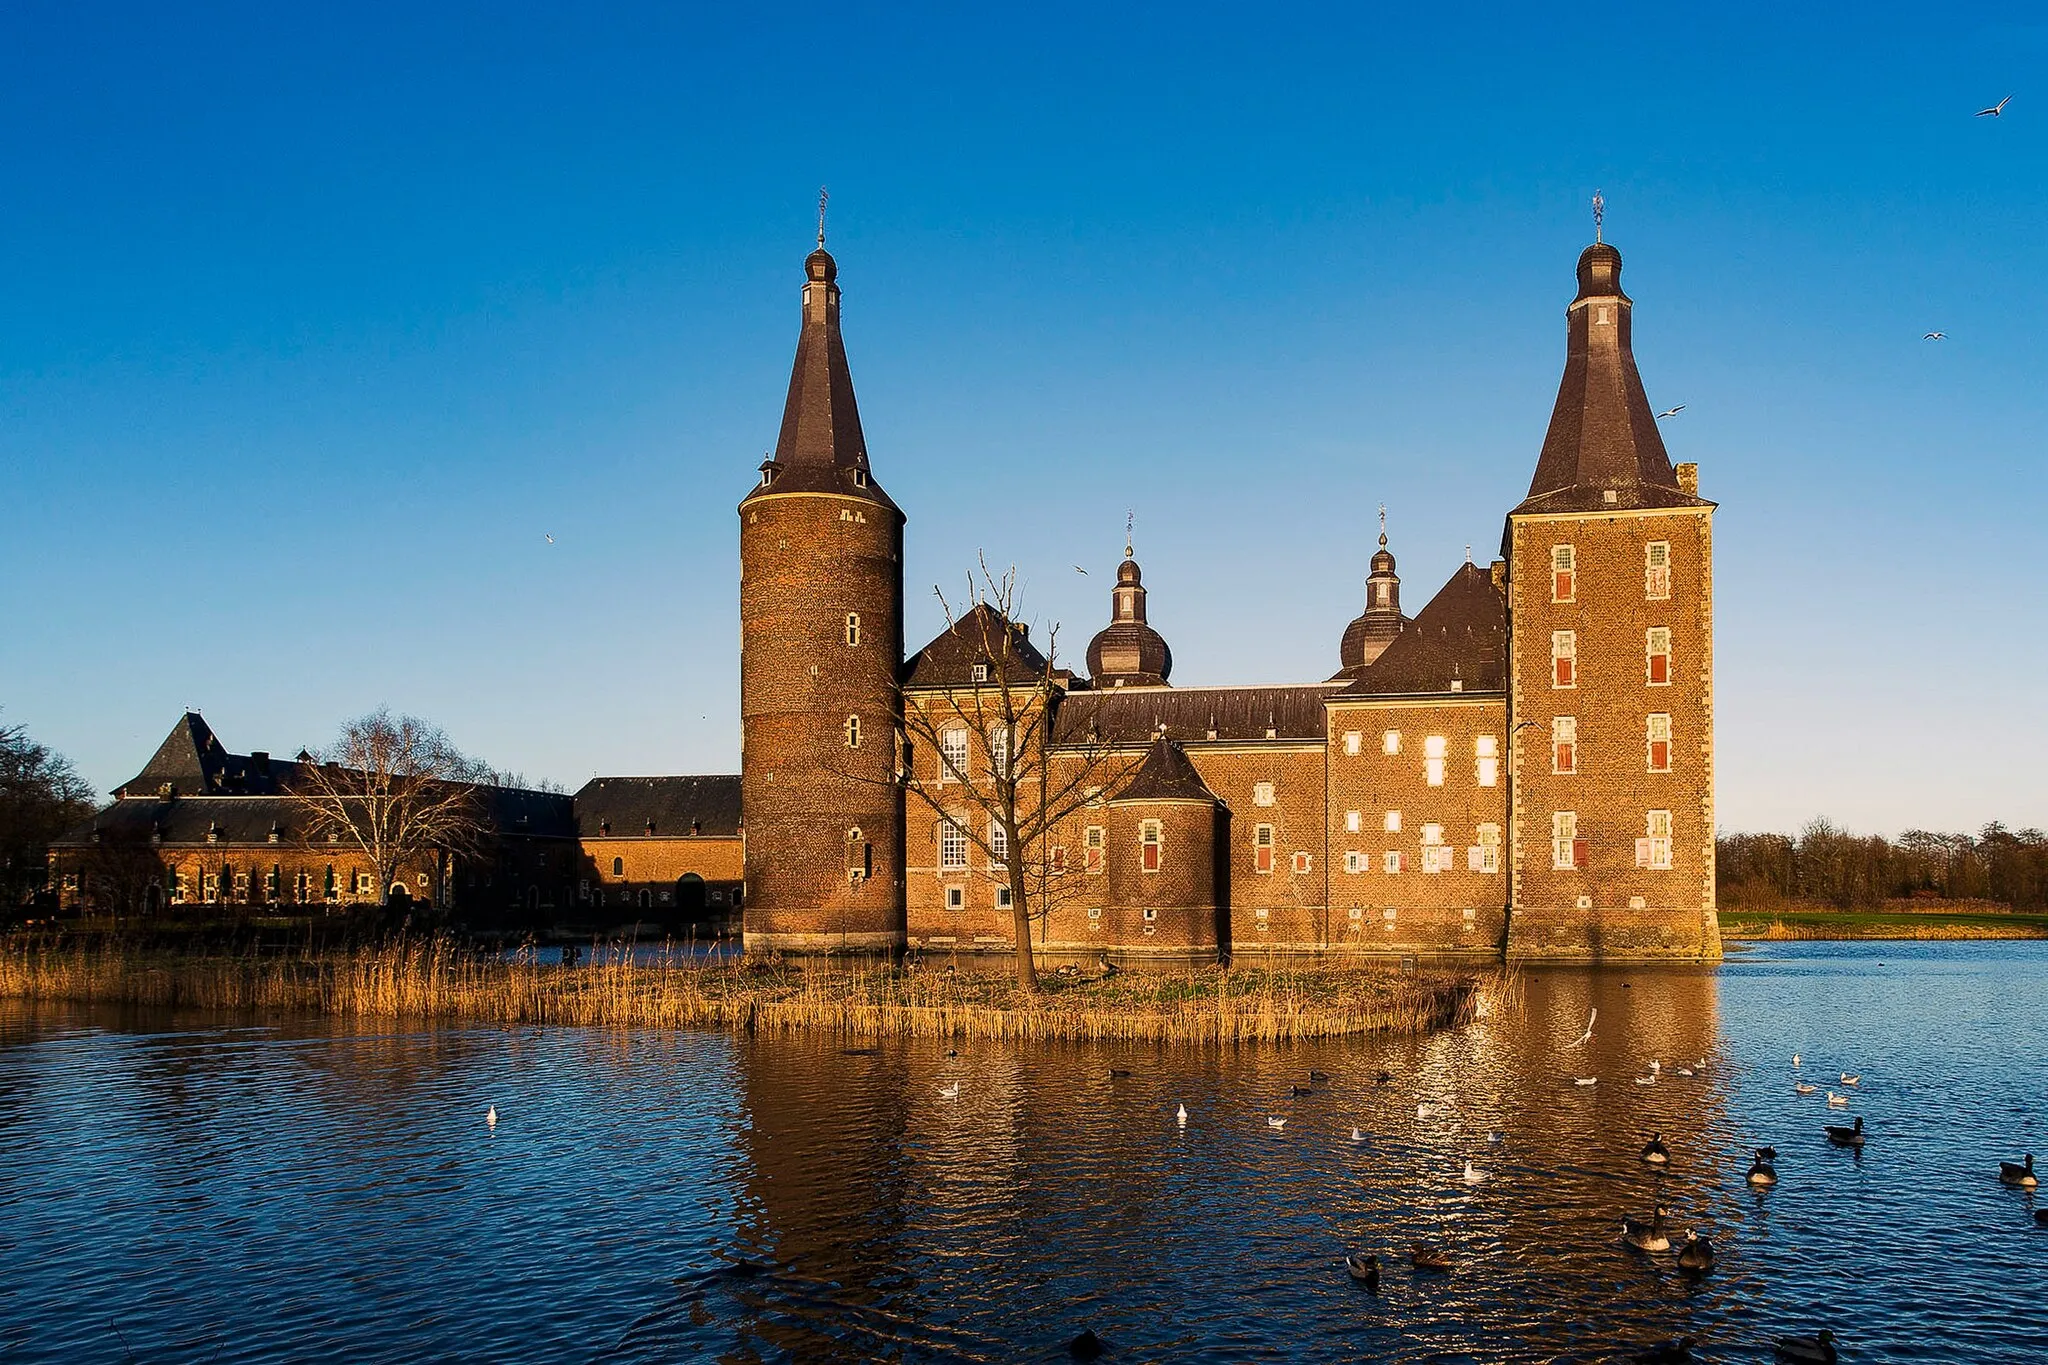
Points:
(1304, 864)
(1263, 850)
(1654, 850)
(1392, 823)
(1488, 849)
(1657, 571)
(952, 845)
(1352, 741)
(852, 628)
(1564, 565)
(953, 758)
(1094, 842)
(999, 750)
(956, 897)
(1564, 838)
(1262, 794)
(1564, 732)
(1656, 730)
(1151, 835)
(853, 732)
(998, 845)
(1656, 643)
(1564, 649)
(1352, 822)
(1390, 861)
(1390, 743)
(1352, 861)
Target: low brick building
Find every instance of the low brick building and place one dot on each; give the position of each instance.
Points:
(665, 851)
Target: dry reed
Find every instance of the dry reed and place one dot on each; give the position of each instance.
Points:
(434, 979)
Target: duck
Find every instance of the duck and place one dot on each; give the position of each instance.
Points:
(1847, 1079)
(950, 1092)
(1317, 1077)
(1677, 1351)
(1761, 1172)
(1180, 1115)
(2012, 1173)
(1646, 1080)
(1384, 1078)
(1496, 1137)
(1847, 1137)
(1364, 1269)
(1655, 1152)
(1837, 1101)
(1117, 1073)
(1357, 1136)
(1804, 1088)
(1585, 1080)
(1473, 1175)
(1301, 1090)
(1275, 1121)
(1818, 1349)
(1425, 1257)
(1795, 1059)
(1648, 1236)
(491, 1117)
(1687, 1072)
(1696, 1257)
(1655, 1066)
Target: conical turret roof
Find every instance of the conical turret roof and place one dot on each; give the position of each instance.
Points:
(1166, 775)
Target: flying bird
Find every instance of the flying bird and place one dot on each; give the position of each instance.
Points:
(1995, 110)
(1671, 412)
(550, 539)
(1935, 336)
(1079, 570)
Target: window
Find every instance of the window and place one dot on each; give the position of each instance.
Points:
(1657, 655)
(999, 750)
(1657, 732)
(978, 673)
(241, 886)
(1353, 862)
(1094, 916)
(1564, 658)
(1148, 845)
(1393, 822)
(209, 887)
(1056, 860)
(1390, 742)
(853, 732)
(1486, 760)
(1567, 849)
(1564, 576)
(1151, 913)
(1091, 850)
(952, 846)
(332, 888)
(583, 889)
(273, 882)
(1435, 857)
(179, 890)
(953, 756)
(853, 628)
(366, 885)
(1262, 793)
(618, 867)
(1357, 915)
(1262, 848)
(1304, 863)
(1391, 861)
(1434, 750)
(1654, 852)
(1003, 901)
(1351, 741)
(1657, 570)
(1351, 822)
(956, 898)
(998, 843)
(1485, 857)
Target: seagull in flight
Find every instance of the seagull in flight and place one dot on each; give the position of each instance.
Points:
(550, 539)
(1671, 412)
(1995, 110)
(1079, 570)
(1935, 336)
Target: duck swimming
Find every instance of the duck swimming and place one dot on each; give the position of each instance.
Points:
(1847, 1079)
(1364, 1269)
(1425, 1257)
(1837, 1101)
(1696, 1257)
(1818, 1349)
(2013, 1173)
(1648, 1236)
(1803, 1088)
(1655, 1152)
(1761, 1172)
(1847, 1137)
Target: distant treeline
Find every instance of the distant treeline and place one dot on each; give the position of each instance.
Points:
(1856, 871)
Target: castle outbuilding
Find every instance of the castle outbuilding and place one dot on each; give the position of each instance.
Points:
(1524, 768)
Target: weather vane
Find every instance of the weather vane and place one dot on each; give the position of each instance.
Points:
(822, 197)
(1130, 519)
(1599, 215)
(1383, 526)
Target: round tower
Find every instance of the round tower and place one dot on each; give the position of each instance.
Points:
(1367, 637)
(1162, 864)
(1128, 652)
(821, 646)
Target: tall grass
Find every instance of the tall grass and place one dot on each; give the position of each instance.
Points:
(434, 979)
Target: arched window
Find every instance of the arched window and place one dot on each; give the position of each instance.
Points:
(853, 732)
(618, 867)
(646, 899)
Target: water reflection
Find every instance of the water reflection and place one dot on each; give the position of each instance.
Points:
(189, 1189)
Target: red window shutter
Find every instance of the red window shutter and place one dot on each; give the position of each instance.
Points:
(1660, 756)
(1567, 758)
(1660, 668)
(1563, 590)
(1263, 858)
(1151, 857)
(1642, 853)
(1564, 672)
(1578, 853)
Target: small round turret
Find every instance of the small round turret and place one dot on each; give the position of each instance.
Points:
(1368, 636)
(1128, 652)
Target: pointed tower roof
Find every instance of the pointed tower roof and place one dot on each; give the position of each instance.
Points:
(1166, 775)
(821, 448)
(1128, 652)
(1460, 637)
(190, 760)
(1603, 450)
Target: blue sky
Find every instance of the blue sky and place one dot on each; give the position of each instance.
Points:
(315, 324)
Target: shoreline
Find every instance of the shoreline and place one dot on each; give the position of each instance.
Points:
(436, 980)
(1848, 926)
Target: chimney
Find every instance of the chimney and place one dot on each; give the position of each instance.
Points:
(259, 758)
(1689, 480)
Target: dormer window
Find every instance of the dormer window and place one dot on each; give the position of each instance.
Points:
(860, 478)
(978, 673)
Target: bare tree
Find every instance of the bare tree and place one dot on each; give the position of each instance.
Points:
(396, 790)
(40, 798)
(1002, 781)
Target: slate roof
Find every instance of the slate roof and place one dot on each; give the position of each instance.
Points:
(1125, 715)
(1461, 634)
(1165, 775)
(677, 806)
(1603, 435)
(821, 448)
(193, 760)
(977, 637)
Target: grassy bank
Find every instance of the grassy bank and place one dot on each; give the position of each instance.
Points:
(434, 980)
(1779, 926)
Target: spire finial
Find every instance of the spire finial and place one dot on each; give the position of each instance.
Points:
(1383, 526)
(1130, 518)
(1468, 554)
(1599, 216)
(822, 198)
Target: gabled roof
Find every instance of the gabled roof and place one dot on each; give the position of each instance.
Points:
(1603, 438)
(1165, 775)
(1128, 715)
(976, 638)
(195, 763)
(1460, 636)
(675, 806)
(821, 448)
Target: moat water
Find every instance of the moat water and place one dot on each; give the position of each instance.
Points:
(197, 1189)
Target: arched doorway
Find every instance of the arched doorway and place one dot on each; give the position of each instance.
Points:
(690, 898)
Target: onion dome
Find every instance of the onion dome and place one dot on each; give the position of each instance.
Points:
(1128, 652)
(1367, 637)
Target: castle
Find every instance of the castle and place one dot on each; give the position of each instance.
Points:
(1523, 768)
